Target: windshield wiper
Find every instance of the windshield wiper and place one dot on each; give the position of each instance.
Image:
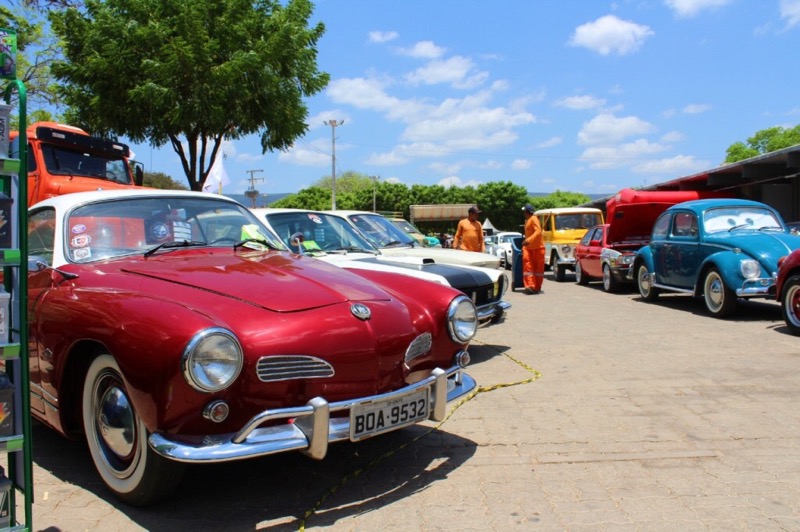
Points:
(737, 227)
(354, 249)
(392, 243)
(264, 243)
(176, 244)
(771, 228)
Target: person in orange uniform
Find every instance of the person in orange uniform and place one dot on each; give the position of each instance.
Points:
(469, 234)
(532, 253)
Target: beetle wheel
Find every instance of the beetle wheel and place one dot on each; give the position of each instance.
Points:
(610, 284)
(646, 288)
(790, 304)
(720, 300)
(117, 439)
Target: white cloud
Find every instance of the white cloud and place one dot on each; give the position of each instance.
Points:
(580, 102)
(678, 165)
(610, 34)
(672, 137)
(551, 142)
(382, 36)
(423, 50)
(490, 165)
(690, 8)
(443, 168)
(457, 71)
(608, 129)
(696, 108)
(605, 157)
(455, 181)
(316, 153)
(521, 164)
(790, 11)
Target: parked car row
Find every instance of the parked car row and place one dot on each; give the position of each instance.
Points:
(173, 328)
(721, 249)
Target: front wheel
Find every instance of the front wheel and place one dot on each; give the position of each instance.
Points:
(720, 300)
(117, 439)
(790, 304)
(580, 278)
(646, 288)
(610, 283)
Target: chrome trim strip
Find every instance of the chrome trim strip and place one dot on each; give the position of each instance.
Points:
(312, 428)
(673, 289)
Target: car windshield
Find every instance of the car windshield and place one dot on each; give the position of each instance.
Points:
(380, 231)
(117, 227)
(64, 161)
(577, 221)
(741, 218)
(320, 231)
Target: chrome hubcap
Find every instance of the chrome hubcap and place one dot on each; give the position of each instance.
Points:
(115, 422)
(714, 291)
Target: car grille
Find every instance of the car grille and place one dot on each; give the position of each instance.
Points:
(418, 347)
(481, 295)
(281, 368)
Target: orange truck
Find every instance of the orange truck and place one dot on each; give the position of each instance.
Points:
(64, 159)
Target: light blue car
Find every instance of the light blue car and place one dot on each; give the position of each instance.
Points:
(721, 249)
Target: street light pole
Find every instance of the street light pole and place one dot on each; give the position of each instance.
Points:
(334, 124)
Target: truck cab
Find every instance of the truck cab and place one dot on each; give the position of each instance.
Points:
(64, 159)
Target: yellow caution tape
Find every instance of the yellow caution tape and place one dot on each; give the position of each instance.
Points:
(479, 389)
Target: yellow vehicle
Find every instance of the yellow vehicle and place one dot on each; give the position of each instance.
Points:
(562, 229)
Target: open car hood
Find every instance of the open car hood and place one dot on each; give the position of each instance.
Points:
(276, 281)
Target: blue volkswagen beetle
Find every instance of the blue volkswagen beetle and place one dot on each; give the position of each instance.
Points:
(721, 249)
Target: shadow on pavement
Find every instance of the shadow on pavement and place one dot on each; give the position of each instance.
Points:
(276, 492)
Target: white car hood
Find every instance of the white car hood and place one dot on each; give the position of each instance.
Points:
(445, 256)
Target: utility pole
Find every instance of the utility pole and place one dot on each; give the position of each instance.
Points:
(334, 124)
(251, 192)
(374, 188)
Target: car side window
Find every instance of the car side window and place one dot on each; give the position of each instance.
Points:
(684, 225)
(41, 234)
(588, 237)
(661, 226)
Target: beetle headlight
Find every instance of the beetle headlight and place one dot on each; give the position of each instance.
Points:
(750, 269)
(462, 320)
(212, 360)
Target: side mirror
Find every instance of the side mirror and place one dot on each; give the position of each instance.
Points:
(36, 263)
(594, 243)
(138, 173)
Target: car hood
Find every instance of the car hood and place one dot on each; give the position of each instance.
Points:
(634, 222)
(445, 256)
(260, 279)
(765, 246)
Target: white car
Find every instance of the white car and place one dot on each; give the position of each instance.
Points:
(393, 242)
(331, 238)
(502, 247)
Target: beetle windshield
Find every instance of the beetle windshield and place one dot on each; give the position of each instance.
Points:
(741, 218)
(125, 226)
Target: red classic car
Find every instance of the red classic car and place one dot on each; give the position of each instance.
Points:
(607, 251)
(171, 328)
(787, 290)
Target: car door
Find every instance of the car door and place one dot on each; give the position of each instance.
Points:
(682, 253)
(591, 263)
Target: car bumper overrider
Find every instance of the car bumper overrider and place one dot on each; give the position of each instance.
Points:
(308, 428)
(762, 287)
(492, 313)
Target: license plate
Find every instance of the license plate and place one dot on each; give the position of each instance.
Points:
(369, 419)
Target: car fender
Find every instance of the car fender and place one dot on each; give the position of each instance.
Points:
(643, 256)
(789, 267)
(727, 262)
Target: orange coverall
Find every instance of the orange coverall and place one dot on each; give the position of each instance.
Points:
(469, 235)
(533, 255)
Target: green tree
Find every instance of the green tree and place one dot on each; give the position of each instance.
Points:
(162, 71)
(162, 181)
(763, 141)
(559, 199)
(314, 198)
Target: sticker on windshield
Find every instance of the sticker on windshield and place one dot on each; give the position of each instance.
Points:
(315, 218)
(78, 228)
(80, 241)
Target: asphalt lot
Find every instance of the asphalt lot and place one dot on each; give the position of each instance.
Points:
(645, 417)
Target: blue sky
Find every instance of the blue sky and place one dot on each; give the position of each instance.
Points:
(572, 95)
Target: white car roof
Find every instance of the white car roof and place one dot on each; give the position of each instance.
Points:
(66, 201)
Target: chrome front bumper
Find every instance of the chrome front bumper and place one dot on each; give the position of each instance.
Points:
(756, 287)
(308, 428)
(492, 313)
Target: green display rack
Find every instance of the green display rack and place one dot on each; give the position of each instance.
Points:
(13, 176)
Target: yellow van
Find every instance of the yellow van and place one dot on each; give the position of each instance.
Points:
(562, 229)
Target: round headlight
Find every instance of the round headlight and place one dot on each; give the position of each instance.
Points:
(750, 269)
(212, 360)
(462, 320)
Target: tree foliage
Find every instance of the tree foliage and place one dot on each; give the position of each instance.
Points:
(162, 181)
(500, 201)
(763, 141)
(190, 73)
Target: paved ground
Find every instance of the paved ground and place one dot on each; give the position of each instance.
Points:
(646, 417)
